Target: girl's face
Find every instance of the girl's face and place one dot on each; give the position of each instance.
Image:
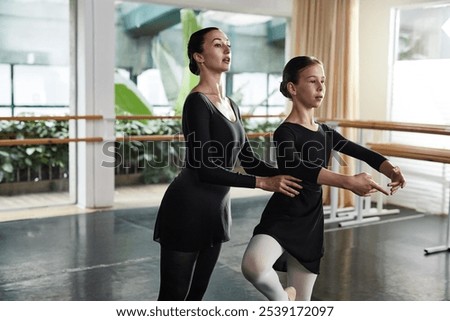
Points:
(310, 88)
(216, 53)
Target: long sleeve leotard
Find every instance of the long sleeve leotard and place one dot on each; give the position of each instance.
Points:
(298, 223)
(195, 210)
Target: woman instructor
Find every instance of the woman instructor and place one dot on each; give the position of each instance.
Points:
(194, 216)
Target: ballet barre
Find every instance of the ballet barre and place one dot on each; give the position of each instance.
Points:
(420, 153)
(365, 214)
(50, 140)
(55, 118)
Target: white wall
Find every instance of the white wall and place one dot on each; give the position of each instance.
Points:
(375, 19)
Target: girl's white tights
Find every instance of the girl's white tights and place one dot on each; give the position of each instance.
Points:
(257, 267)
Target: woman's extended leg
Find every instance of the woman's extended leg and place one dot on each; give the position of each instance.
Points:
(257, 266)
(300, 278)
(204, 267)
(176, 269)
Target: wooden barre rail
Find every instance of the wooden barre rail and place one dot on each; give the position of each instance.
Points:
(118, 117)
(48, 141)
(35, 118)
(393, 126)
(414, 152)
(146, 117)
(149, 117)
(419, 153)
(178, 137)
(378, 125)
(363, 124)
(156, 138)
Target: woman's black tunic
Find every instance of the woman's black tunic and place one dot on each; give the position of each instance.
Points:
(195, 211)
(298, 223)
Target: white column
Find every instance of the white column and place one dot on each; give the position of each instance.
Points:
(95, 96)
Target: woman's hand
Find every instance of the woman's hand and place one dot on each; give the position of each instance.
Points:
(362, 184)
(285, 184)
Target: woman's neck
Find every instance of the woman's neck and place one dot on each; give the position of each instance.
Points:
(210, 84)
(211, 87)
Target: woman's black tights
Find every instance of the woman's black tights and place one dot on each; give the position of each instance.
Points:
(185, 275)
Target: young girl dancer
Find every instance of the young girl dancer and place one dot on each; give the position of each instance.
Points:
(289, 236)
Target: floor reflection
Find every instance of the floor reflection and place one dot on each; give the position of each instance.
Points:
(110, 255)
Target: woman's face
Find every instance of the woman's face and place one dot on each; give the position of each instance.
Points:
(216, 53)
(310, 88)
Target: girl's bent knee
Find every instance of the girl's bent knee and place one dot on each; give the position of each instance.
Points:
(251, 270)
(247, 268)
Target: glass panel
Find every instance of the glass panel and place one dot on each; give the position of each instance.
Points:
(420, 78)
(5, 85)
(34, 40)
(41, 85)
(423, 33)
(277, 101)
(259, 93)
(420, 91)
(252, 88)
(150, 79)
(151, 47)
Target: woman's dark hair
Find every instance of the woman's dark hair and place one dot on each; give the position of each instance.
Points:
(292, 70)
(195, 44)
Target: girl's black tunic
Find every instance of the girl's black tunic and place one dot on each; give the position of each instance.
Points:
(195, 210)
(298, 223)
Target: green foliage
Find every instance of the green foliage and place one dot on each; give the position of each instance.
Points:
(32, 156)
(157, 162)
(128, 102)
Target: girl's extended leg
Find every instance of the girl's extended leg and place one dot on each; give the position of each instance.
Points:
(176, 269)
(204, 267)
(300, 278)
(257, 266)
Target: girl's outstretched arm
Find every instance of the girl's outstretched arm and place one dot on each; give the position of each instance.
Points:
(361, 184)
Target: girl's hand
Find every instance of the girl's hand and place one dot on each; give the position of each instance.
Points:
(362, 184)
(394, 174)
(285, 184)
(397, 180)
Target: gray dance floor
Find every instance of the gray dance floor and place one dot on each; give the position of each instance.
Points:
(110, 255)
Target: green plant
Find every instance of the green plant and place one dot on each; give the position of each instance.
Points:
(158, 161)
(42, 160)
(128, 99)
